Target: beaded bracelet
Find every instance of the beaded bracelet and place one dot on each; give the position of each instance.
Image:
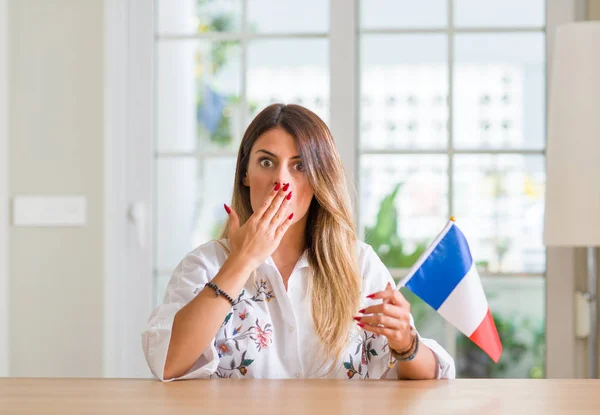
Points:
(219, 291)
(412, 351)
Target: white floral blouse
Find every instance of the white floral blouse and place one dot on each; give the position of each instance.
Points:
(269, 332)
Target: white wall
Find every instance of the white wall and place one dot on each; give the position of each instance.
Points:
(56, 147)
(4, 297)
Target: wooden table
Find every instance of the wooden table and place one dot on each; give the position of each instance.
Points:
(371, 397)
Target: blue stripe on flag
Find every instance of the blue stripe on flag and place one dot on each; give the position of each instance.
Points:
(443, 269)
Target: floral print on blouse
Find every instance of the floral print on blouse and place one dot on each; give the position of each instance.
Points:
(269, 332)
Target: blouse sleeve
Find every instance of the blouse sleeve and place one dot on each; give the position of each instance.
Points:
(189, 277)
(375, 278)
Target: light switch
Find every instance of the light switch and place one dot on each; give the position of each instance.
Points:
(49, 211)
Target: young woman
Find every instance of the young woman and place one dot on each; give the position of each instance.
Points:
(289, 291)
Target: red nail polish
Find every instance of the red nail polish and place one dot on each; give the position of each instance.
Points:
(291, 216)
(361, 325)
(362, 311)
(289, 196)
(227, 209)
(285, 187)
(356, 318)
(277, 185)
(370, 295)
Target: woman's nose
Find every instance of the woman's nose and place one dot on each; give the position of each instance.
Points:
(282, 179)
(283, 183)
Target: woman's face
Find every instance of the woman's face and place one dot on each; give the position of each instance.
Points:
(274, 158)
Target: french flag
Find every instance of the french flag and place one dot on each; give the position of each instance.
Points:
(445, 277)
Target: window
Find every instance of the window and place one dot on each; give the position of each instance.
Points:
(218, 63)
(451, 102)
(452, 119)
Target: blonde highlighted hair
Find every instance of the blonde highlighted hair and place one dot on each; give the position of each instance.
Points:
(330, 232)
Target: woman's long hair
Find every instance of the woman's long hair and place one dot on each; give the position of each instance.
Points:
(330, 232)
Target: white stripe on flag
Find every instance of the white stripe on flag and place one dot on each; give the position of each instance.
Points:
(466, 306)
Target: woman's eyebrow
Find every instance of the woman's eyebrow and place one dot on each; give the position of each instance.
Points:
(273, 155)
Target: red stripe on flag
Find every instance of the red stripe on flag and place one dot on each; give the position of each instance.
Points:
(486, 337)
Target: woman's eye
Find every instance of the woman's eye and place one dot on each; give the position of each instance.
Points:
(266, 163)
(299, 166)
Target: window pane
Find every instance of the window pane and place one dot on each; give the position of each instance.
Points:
(402, 204)
(160, 285)
(190, 197)
(198, 16)
(389, 14)
(499, 91)
(494, 13)
(517, 304)
(499, 205)
(294, 71)
(428, 321)
(288, 16)
(198, 95)
(404, 89)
